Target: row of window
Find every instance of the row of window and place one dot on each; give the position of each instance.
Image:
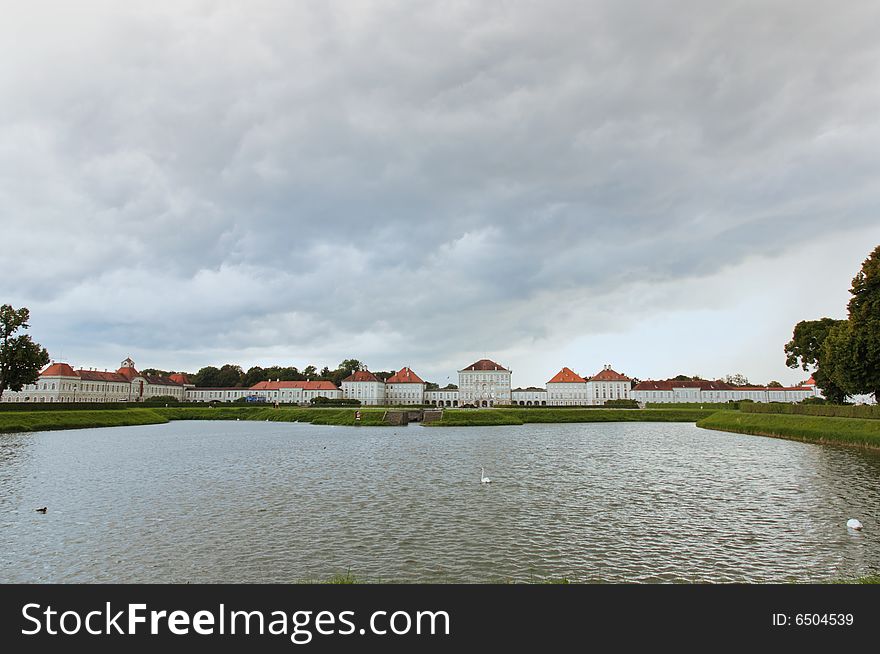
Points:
(495, 377)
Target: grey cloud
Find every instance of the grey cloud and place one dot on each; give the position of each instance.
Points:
(307, 177)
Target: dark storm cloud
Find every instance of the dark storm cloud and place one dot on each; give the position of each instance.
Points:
(195, 176)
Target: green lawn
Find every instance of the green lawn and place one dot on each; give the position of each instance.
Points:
(483, 417)
(22, 421)
(17, 421)
(857, 432)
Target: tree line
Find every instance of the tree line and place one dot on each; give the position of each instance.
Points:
(233, 376)
(735, 379)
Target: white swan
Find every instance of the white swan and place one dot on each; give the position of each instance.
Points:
(483, 478)
(852, 523)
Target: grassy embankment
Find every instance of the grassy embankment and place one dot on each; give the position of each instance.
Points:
(316, 416)
(852, 432)
(868, 411)
(485, 417)
(21, 421)
(16, 421)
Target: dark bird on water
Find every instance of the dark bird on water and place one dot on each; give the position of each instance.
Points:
(42, 509)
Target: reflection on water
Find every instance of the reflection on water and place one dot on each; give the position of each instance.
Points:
(272, 502)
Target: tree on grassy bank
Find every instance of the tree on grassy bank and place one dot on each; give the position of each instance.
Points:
(845, 353)
(20, 358)
(805, 350)
(854, 348)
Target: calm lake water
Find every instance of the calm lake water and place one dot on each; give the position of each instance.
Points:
(276, 502)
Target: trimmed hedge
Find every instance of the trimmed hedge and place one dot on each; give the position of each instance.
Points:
(728, 406)
(866, 411)
(624, 404)
(326, 401)
(31, 407)
(621, 404)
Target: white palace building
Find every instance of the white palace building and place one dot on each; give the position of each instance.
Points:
(484, 383)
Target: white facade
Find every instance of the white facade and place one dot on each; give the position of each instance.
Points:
(217, 394)
(531, 396)
(567, 394)
(365, 387)
(445, 397)
(269, 392)
(61, 383)
(607, 384)
(405, 388)
(484, 384)
(293, 392)
(601, 391)
(674, 392)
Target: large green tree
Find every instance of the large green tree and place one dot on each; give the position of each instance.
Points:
(846, 353)
(737, 379)
(838, 361)
(347, 367)
(254, 376)
(861, 342)
(310, 372)
(207, 377)
(806, 350)
(20, 358)
(229, 376)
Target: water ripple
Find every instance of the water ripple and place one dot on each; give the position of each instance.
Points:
(274, 502)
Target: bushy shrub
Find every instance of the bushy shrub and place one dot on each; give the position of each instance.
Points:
(621, 404)
(326, 401)
(161, 400)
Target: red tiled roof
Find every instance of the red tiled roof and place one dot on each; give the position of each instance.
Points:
(485, 364)
(95, 375)
(567, 376)
(119, 378)
(404, 376)
(58, 370)
(361, 376)
(669, 384)
(128, 373)
(319, 386)
(608, 374)
(810, 382)
(305, 385)
(220, 388)
(179, 378)
(158, 380)
(771, 388)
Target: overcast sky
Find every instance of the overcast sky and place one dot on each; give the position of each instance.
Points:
(663, 186)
